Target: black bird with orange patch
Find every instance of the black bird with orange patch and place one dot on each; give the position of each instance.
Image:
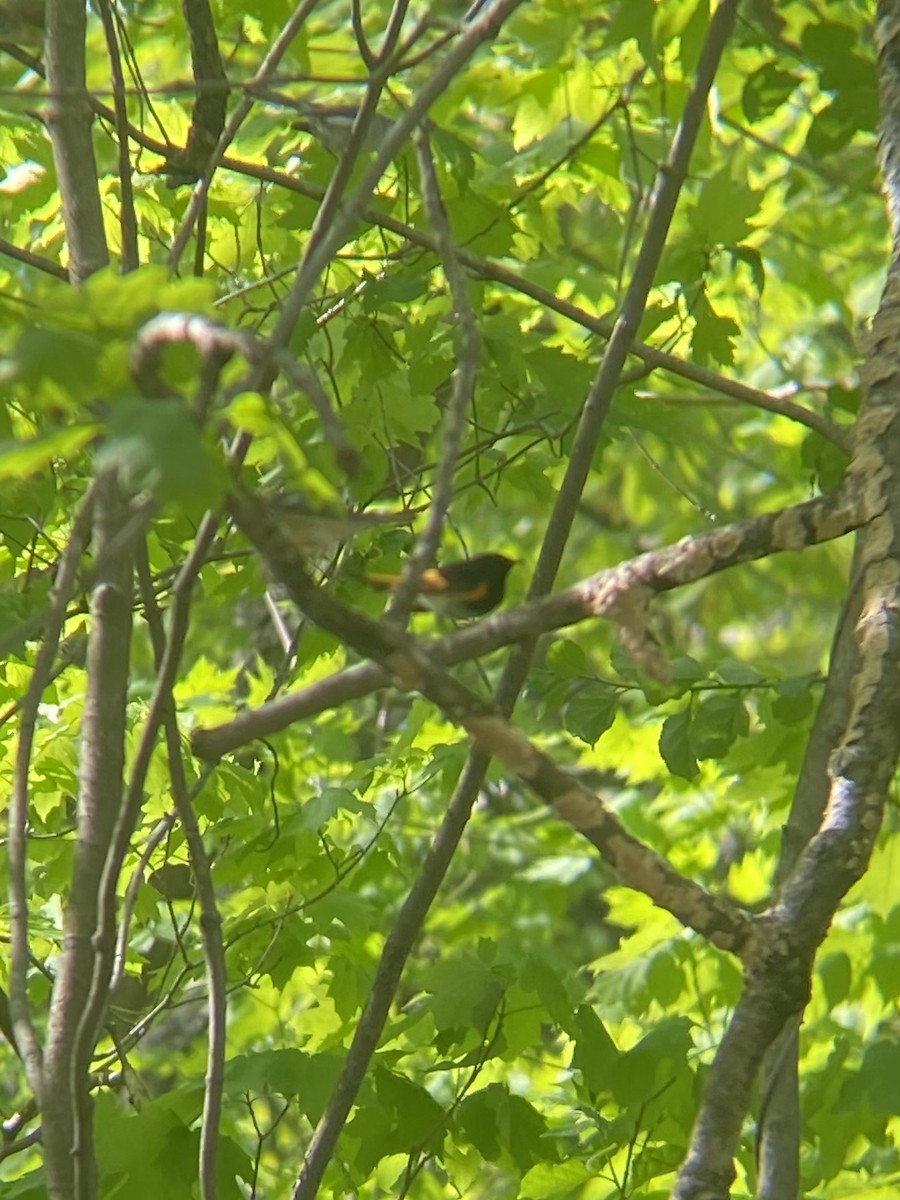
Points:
(468, 588)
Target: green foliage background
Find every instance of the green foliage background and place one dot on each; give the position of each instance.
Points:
(553, 1029)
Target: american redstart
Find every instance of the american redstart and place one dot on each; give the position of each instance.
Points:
(468, 588)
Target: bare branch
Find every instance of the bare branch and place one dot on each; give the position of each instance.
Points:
(30, 259)
(211, 100)
(210, 920)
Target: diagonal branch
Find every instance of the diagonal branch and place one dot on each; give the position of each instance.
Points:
(468, 355)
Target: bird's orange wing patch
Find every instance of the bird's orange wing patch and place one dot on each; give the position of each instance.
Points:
(432, 581)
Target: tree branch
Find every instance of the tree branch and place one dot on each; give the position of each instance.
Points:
(604, 595)
(210, 919)
(74, 1022)
(69, 123)
(127, 215)
(859, 737)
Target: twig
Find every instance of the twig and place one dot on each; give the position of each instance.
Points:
(468, 355)
(127, 217)
(211, 92)
(33, 260)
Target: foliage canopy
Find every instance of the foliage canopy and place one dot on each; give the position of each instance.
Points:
(552, 1031)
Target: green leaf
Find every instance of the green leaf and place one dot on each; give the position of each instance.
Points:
(566, 659)
(396, 287)
(527, 1132)
(684, 669)
(478, 1118)
(836, 974)
(879, 1077)
(591, 712)
(310, 1078)
(766, 89)
(555, 1181)
(832, 45)
(464, 991)
(19, 460)
(32, 1186)
(836, 125)
(755, 261)
(152, 1149)
(713, 337)
(457, 157)
(67, 357)
(716, 722)
(416, 1117)
(156, 447)
(546, 982)
(595, 1053)
(665, 978)
(489, 227)
(657, 1059)
(794, 700)
(499, 1123)
(675, 746)
(885, 971)
(738, 674)
(722, 213)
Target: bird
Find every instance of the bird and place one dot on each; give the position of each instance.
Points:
(468, 588)
(331, 124)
